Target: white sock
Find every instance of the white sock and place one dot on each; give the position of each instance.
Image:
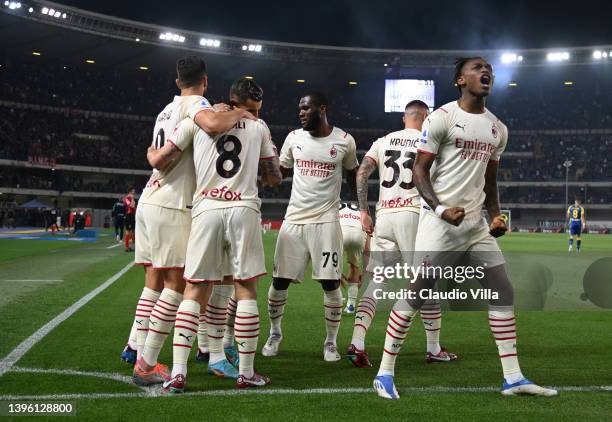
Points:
(228, 336)
(185, 331)
(161, 322)
(247, 334)
(144, 307)
(364, 315)
(332, 300)
(502, 323)
(276, 307)
(431, 315)
(351, 292)
(397, 330)
(133, 340)
(216, 315)
(203, 332)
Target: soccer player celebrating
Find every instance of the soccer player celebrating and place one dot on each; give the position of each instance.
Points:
(576, 220)
(129, 201)
(466, 141)
(397, 213)
(164, 218)
(318, 153)
(354, 242)
(226, 231)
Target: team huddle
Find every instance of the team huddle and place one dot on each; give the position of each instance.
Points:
(198, 228)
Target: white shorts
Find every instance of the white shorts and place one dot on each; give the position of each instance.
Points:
(436, 237)
(354, 240)
(223, 242)
(297, 244)
(394, 237)
(161, 236)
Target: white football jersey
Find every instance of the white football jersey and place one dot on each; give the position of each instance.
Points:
(463, 143)
(226, 165)
(317, 174)
(173, 187)
(349, 215)
(394, 154)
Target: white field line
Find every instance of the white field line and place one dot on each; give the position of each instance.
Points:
(113, 246)
(39, 281)
(9, 360)
(157, 391)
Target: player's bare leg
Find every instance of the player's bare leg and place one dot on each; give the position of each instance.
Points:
(147, 370)
(185, 332)
(247, 333)
(277, 298)
(332, 301)
(216, 317)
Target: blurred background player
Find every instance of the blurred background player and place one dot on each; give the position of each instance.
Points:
(226, 232)
(129, 201)
(397, 219)
(466, 141)
(576, 220)
(118, 214)
(354, 242)
(317, 153)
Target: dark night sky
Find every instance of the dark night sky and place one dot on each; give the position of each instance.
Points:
(433, 24)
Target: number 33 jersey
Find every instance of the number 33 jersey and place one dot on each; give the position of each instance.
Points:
(226, 165)
(394, 155)
(174, 186)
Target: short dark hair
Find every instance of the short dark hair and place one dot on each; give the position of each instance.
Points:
(416, 103)
(459, 63)
(318, 98)
(190, 70)
(131, 188)
(244, 89)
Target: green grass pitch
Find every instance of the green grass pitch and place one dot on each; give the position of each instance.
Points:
(566, 344)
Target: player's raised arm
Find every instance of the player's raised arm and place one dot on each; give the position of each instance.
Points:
(215, 122)
(367, 167)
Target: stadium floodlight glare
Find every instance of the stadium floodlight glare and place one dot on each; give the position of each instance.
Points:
(568, 83)
(44, 10)
(31, 9)
(35, 53)
(558, 56)
(13, 5)
(63, 16)
(352, 83)
(143, 68)
(597, 54)
(57, 14)
(385, 65)
(137, 40)
(605, 55)
(512, 84)
(6, 3)
(248, 77)
(252, 47)
(169, 36)
(90, 61)
(301, 81)
(207, 42)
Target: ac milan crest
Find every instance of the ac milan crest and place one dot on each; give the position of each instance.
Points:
(494, 130)
(333, 152)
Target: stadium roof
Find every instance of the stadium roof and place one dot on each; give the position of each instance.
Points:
(118, 41)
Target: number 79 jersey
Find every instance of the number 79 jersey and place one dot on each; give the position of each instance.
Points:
(226, 165)
(394, 154)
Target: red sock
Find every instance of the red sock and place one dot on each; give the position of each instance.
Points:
(127, 240)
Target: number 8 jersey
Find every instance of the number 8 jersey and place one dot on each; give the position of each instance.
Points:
(394, 154)
(226, 165)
